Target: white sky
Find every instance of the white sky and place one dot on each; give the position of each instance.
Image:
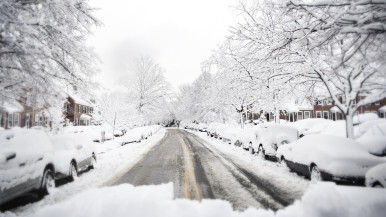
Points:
(179, 34)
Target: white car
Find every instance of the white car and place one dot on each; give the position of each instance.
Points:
(270, 136)
(74, 153)
(26, 163)
(376, 176)
(328, 158)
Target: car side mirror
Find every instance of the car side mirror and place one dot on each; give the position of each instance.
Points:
(7, 156)
(78, 147)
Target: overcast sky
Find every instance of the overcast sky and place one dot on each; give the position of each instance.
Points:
(179, 34)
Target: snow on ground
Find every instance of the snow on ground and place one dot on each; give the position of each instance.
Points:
(112, 161)
(322, 199)
(277, 175)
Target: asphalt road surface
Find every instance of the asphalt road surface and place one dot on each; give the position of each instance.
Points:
(199, 172)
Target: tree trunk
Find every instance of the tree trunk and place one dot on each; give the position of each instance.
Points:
(349, 125)
(277, 116)
(241, 120)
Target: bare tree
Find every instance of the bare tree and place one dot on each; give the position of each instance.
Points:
(147, 86)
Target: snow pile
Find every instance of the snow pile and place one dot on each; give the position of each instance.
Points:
(361, 118)
(92, 132)
(138, 134)
(374, 139)
(337, 155)
(311, 125)
(322, 199)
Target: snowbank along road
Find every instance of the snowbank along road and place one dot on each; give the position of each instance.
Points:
(199, 170)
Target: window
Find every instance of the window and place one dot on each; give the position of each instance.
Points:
(343, 100)
(68, 108)
(79, 109)
(307, 115)
(84, 109)
(41, 120)
(271, 116)
(91, 110)
(320, 102)
(318, 114)
(377, 103)
(325, 114)
(10, 120)
(354, 102)
(383, 114)
(2, 120)
(300, 116)
(341, 116)
(16, 120)
(27, 121)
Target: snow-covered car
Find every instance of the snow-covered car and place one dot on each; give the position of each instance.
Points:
(73, 154)
(138, 134)
(376, 176)
(270, 136)
(328, 158)
(374, 139)
(26, 163)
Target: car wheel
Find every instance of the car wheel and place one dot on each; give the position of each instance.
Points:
(48, 182)
(261, 153)
(316, 176)
(377, 185)
(93, 161)
(73, 171)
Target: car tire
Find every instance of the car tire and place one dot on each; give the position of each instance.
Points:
(261, 153)
(73, 171)
(316, 175)
(377, 185)
(48, 182)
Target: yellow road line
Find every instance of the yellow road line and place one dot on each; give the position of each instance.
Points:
(187, 160)
(187, 185)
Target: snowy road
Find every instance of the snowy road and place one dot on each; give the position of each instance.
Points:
(199, 170)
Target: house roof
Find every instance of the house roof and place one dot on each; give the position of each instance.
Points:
(81, 101)
(290, 107)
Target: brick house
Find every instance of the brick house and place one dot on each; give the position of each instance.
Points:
(322, 108)
(78, 111)
(23, 112)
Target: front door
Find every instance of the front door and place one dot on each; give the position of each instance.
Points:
(291, 117)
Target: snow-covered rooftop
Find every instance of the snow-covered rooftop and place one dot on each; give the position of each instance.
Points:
(11, 107)
(79, 100)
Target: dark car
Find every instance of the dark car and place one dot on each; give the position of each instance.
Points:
(26, 163)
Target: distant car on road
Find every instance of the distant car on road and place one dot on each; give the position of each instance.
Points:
(270, 136)
(328, 158)
(376, 176)
(26, 163)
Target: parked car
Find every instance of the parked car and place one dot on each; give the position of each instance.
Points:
(328, 158)
(374, 139)
(270, 136)
(138, 134)
(26, 163)
(376, 176)
(74, 153)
